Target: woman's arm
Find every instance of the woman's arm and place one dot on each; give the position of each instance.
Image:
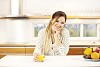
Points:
(57, 38)
(38, 47)
(63, 48)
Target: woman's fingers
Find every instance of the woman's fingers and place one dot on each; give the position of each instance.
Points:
(35, 58)
(38, 58)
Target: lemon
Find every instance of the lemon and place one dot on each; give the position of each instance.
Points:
(88, 51)
(95, 55)
(41, 58)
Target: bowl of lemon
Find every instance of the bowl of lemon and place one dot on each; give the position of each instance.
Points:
(92, 54)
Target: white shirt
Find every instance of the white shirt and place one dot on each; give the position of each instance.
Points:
(62, 50)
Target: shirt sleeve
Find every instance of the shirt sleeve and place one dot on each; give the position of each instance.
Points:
(38, 47)
(64, 47)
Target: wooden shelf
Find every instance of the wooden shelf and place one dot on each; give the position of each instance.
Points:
(69, 17)
(84, 17)
(48, 17)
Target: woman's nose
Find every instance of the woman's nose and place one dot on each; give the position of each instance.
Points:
(59, 24)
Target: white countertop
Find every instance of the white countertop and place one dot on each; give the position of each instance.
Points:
(50, 61)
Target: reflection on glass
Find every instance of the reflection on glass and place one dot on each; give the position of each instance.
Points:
(89, 30)
(37, 28)
(74, 29)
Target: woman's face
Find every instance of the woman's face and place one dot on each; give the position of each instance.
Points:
(59, 24)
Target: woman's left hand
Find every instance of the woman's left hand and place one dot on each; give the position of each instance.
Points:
(57, 35)
(57, 38)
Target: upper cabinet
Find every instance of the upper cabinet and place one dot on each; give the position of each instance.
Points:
(5, 7)
(48, 7)
(71, 7)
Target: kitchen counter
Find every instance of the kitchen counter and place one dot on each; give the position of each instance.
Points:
(50, 61)
(32, 45)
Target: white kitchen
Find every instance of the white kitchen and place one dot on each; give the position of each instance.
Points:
(21, 20)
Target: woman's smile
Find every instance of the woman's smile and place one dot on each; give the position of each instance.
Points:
(58, 27)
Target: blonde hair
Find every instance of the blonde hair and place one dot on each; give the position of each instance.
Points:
(48, 31)
(46, 40)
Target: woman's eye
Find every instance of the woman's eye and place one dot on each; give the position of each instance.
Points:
(62, 22)
(57, 21)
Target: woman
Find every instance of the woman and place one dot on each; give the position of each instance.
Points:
(53, 40)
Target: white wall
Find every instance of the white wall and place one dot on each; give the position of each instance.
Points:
(19, 31)
(2, 31)
(22, 31)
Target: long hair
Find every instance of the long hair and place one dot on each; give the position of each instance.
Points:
(48, 31)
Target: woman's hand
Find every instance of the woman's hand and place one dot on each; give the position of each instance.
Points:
(57, 38)
(57, 35)
(36, 57)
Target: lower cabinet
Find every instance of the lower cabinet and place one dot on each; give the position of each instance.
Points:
(2, 56)
(16, 51)
(75, 51)
(29, 51)
(12, 51)
(72, 51)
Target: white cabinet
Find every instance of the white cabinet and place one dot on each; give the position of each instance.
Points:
(5, 7)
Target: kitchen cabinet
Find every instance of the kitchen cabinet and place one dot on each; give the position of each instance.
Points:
(72, 51)
(30, 50)
(2, 56)
(75, 51)
(12, 51)
(5, 7)
(16, 51)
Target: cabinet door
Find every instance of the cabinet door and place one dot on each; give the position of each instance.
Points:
(12, 51)
(1, 56)
(29, 50)
(72, 51)
(75, 51)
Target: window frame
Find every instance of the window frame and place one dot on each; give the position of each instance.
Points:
(81, 30)
(86, 38)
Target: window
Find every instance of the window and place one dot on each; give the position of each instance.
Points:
(74, 29)
(37, 28)
(89, 30)
(77, 31)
